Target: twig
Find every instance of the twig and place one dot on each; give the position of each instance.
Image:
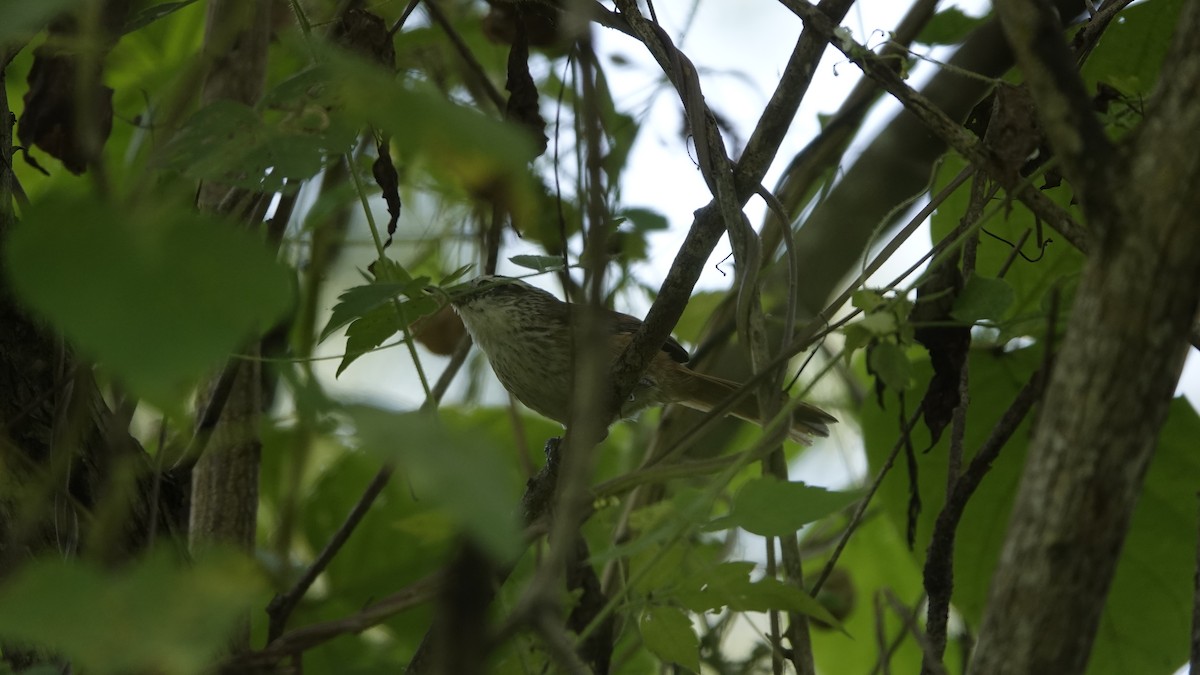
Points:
(1195, 660)
(939, 558)
(863, 503)
(301, 639)
(881, 634)
(952, 133)
(281, 606)
(909, 617)
(439, 17)
(959, 425)
(781, 109)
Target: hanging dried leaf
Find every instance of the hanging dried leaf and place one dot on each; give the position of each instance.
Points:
(947, 345)
(522, 106)
(68, 110)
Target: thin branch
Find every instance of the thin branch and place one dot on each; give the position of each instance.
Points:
(781, 109)
(863, 503)
(952, 133)
(939, 558)
(909, 617)
(464, 51)
(1195, 651)
(301, 639)
(282, 605)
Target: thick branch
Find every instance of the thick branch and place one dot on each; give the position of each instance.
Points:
(708, 226)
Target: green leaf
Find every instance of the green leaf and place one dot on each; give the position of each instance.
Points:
(949, 26)
(455, 275)
(1133, 49)
(20, 20)
(539, 263)
(357, 302)
(773, 508)
(1145, 622)
(229, 142)
(668, 633)
(457, 144)
(878, 323)
(646, 220)
(866, 299)
(728, 585)
(1031, 277)
(700, 309)
(983, 298)
(889, 362)
(857, 337)
(453, 467)
(155, 616)
(878, 561)
(689, 508)
(158, 296)
(368, 332)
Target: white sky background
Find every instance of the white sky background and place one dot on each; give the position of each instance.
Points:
(739, 47)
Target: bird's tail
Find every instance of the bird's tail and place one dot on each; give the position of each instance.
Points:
(706, 392)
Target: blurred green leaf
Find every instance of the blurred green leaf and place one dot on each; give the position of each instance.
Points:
(157, 295)
(866, 299)
(700, 309)
(889, 362)
(455, 275)
(878, 560)
(878, 323)
(1145, 624)
(773, 508)
(538, 263)
(857, 337)
(646, 220)
(983, 298)
(229, 142)
(949, 26)
(20, 20)
(457, 469)
(155, 616)
(459, 145)
(668, 633)
(728, 585)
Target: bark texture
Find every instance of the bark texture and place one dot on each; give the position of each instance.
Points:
(225, 479)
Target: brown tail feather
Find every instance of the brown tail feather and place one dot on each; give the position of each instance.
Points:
(707, 392)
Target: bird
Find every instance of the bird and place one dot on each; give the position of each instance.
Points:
(526, 334)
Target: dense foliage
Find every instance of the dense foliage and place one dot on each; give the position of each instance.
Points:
(240, 429)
